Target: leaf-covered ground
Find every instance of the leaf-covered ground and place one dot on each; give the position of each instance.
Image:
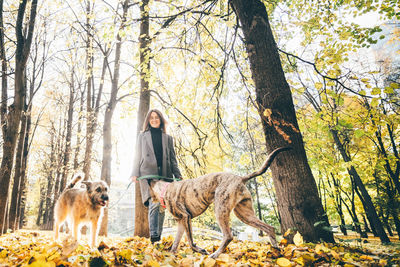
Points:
(35, 248)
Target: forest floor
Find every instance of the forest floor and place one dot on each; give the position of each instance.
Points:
(37, 248)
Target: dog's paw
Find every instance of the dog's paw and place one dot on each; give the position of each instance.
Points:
(214, 255)
(200, 250)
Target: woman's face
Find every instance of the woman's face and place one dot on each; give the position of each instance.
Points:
(155, 121)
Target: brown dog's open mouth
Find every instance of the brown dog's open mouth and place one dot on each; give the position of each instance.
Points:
(103, 203)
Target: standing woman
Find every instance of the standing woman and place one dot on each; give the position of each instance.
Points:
(155, 155)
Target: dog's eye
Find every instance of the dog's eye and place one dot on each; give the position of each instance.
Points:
(98, 189)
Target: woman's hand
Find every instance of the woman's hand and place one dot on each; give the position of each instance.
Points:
(134, 179)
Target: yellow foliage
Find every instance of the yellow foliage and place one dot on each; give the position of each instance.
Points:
(24, 249)
(283, 262)
(298, 239)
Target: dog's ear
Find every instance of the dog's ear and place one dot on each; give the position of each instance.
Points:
(87, 183)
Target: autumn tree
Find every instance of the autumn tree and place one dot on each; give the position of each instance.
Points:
(112, 102)
(141, 218)
(12, 118)
(298, 202)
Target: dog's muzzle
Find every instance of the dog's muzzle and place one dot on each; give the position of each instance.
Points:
(103, 200)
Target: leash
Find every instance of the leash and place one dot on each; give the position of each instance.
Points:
(122, 195)
(158, 177)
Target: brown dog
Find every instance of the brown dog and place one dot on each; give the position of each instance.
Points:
(81, 206)
(189, 198)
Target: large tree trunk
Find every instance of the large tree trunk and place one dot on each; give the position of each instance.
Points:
(68, 137)
(297, 196)
(14, 115)
(21, 202)
(50, 184)
(3, 59)
(17, 175)
(393, 206)
(90, 116)
(107, 132)
(79, 132)
(141, 218)
(365, 197)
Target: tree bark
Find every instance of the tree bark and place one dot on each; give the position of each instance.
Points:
(79, 132)
(107, 129)
(141, 217)
(68, 137)
(50, 184)
(297, 196)
(338, 200)
(393, 206)
(17, 175)
(3, 58)
(92, 100)
(15, 110)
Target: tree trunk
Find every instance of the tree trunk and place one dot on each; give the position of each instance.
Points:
(141, 217)
(79, 132)
(15, 111)
(40, 216)
(90, 116)
(68, 137)
(3, 59)
(107, 131)
(366, 199)
(17, 175)
(298, 202)
(338, 200)
(50, 183)
(393, 206)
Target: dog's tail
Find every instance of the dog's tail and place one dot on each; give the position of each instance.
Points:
(77, 177)
(267, 163)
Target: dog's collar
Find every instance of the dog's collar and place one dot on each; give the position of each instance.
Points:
(162, 194)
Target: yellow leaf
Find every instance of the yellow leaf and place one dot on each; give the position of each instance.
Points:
(382, 262)
(366, 257)
(3, 253)
(305, 260)
(283, 262)
(376, 91)
(209, 262)
(126, 254)
(298, 239)
(283, 242)
(186, 262)
(267, 112)
(318, 85)
(42, 263)
(288, 232)
(153, 263)
(223, 258)
(335, 255)
(395, 85)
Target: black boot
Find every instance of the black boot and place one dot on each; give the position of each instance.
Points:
(154, 239)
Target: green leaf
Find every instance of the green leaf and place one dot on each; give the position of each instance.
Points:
(359, 133)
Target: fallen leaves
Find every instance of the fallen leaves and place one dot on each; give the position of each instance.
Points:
(25, 248)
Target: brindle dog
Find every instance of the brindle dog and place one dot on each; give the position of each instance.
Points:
(81, 206)
(189, 198)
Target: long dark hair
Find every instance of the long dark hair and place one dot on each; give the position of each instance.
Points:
(163, 121)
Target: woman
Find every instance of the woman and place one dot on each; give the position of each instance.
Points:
(155, 155)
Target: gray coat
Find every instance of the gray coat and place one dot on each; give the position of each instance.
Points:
(145, 162)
